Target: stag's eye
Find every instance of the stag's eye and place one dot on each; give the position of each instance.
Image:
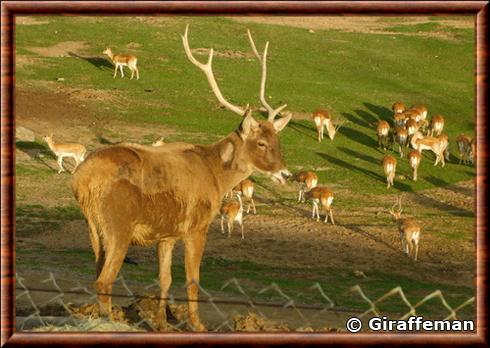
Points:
(261, 144)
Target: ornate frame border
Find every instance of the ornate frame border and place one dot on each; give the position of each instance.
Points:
(9, 9)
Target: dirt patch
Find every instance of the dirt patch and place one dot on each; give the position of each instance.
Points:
(360, 24)
(25, 20)
(62, 49)
(253, 322)
(133, 45)
(226, 53)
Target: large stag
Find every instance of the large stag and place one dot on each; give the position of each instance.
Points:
(143, 195)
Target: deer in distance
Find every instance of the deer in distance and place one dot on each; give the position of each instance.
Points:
(465, 148)
(419, 142)
(401, 138)
(246, 189)
(324, 196)
(323, 120)
(159, 142)
(389, 167)
(414, 158)
(121, 60)
(143, 195)
(409, 231)
(306, 180)
(62, 150)
(398, 108)
(383, 133)
(436, 125)
(232, 211)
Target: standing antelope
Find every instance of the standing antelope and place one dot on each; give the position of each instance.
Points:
(120, 60)
(383, 131)
(246, 189)
(389, 167)
(159, 142)
(400, 119)
(143, 195)
(398, 107)
(444, 139)
(414, 158)
(324, 196)
(401, 138)
(420, 112)
(419, 142)
(436, 125)
(409, 231)
(232, 211)
(306, 180)
(62, 150)
(466, 148)
(323, 120)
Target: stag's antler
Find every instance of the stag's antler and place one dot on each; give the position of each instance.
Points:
(208, 71)
(263, 62)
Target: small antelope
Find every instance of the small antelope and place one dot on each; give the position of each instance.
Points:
(76, 151)
(419, 142)
(398, 108)
(323, 120)
(246, 189)
(383, 131)
(306, 180)
(120, 60)
(412, 127)
(420, 112)
(389, 166)
(401, 138)
(409, 231)
(466, 148)
(232, 211)
(414, 158)
(400, 119)
(159, 142)
(436, 125)
(324, 196)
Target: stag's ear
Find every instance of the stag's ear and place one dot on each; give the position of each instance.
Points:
(282, 122)
(247, 124)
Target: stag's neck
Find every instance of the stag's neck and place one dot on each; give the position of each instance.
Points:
(111, 55)
(50, 143)
(227, 162)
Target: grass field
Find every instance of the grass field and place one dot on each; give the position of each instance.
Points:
(65, 86)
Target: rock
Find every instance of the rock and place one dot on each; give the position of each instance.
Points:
(359, 274)
(24, 134)
(311, 31)
(60, 79)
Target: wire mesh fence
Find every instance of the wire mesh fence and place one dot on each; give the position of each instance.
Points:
(53, 304)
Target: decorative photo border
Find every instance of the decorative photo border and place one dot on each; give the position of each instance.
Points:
(10, 9)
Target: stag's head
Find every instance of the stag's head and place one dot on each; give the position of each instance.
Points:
(396, 214)
(107, 51)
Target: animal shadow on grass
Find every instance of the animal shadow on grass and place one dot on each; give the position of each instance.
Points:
(358, 137)
(445, 207)
(467, 191)
(398, 185)
(362, 156)
(382, 112)
(301, 128)
(357, 228)
(98, 62)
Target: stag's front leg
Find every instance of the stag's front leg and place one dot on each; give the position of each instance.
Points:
(164, 252)
(194, 248)
(115, 71)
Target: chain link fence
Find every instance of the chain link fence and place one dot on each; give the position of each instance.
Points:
(54, 304)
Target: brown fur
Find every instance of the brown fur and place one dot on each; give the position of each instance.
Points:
(401, 138)
(414, 158)
(120, 60)
(306, 180)
(143, 195)
(389, 167)
(232, 211)
(324, 196)
(383, 133)
(246, 190)
(398, 107)
(466, 148)
(409, 231)
(419, 142)
(436, 125)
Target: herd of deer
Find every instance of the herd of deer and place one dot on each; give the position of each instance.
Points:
(411, 127)
(159, 194)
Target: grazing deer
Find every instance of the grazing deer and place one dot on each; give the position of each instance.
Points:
(414, 158)
(324, 196)
(232, 211)
(159, 142)
(323, 120)
(419, 142)
(401, 138)
(398, 107)
(306, 180)
(143, 195)
(120, 60)
(419, 112)
(412, 127)
(409, 231)
(62, 150)
(389, 167)
(399, 120)
(246, 189)
(436, 125)
(466, 148)
(383, 132)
